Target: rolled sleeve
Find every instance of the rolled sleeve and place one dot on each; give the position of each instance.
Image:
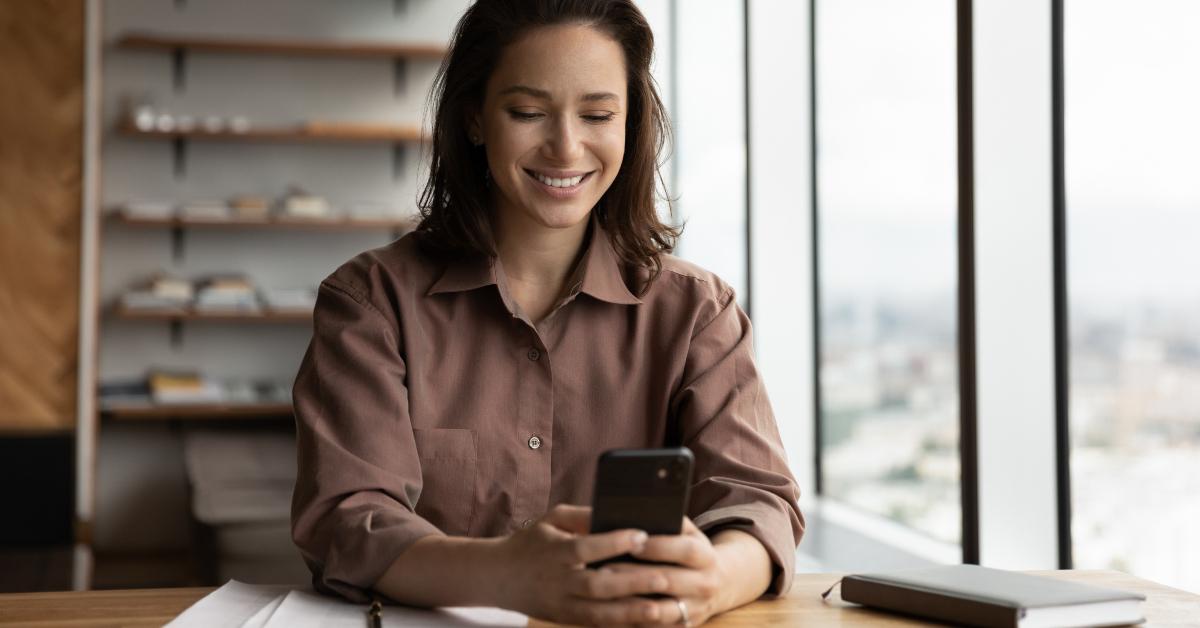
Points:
(359, 476)
(724, 417)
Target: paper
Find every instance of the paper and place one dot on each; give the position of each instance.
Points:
(260, 619)
(272, 606)
(231, 605)
(303, 610)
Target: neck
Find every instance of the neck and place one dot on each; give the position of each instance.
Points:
(537, 255)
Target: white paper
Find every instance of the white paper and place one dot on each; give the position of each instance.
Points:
(231, 605)
(260, 619)
(302, 610)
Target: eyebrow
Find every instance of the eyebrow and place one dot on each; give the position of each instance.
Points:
(545, 95)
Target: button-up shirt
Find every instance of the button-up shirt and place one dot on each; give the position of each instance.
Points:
(428, 403)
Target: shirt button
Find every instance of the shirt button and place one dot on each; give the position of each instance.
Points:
(534, 442)
(533, 355)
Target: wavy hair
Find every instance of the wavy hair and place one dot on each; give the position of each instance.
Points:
(455, 202)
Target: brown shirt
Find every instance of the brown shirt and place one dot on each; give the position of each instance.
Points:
(427, 403)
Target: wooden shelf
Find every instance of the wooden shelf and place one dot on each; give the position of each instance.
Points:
(159, 412)
(315, 224)
(263, 316)
(298, 133)
(151, 41)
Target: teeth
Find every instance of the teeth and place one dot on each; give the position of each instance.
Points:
(559, 183)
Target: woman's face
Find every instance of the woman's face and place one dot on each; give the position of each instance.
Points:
(553, 124)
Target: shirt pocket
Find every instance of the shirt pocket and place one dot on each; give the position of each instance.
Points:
(447, 497)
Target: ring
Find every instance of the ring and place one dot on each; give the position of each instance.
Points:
(683, 614)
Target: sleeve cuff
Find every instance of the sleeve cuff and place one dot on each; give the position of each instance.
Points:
(766, 524)
(357, 563)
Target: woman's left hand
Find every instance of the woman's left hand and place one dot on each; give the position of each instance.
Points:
(695, 576)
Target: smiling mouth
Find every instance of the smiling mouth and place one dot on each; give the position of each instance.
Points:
(566, 183)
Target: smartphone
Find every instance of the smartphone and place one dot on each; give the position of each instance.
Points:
(643, 489)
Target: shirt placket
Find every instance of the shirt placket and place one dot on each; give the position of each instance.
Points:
(535, 432)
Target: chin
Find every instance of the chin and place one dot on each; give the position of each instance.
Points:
(561, 217)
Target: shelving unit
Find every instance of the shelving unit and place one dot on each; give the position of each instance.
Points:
(208, 412)
(152, 41)
(175, 316)
(298, 133)
(326, 114)
(271, 223)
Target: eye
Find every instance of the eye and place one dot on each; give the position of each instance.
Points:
(524, 116)
(598, 119)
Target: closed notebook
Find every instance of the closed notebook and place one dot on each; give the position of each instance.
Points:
(978, 596)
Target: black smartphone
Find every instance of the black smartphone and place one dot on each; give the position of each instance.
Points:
(644, 489)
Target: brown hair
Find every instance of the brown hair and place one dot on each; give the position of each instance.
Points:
(455, 212)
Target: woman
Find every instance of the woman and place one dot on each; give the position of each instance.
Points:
(462, 381)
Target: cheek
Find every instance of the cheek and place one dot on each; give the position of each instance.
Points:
(611, 151)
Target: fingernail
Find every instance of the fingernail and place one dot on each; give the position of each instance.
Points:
(639, 540)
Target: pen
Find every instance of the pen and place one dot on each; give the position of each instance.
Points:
(375, 615)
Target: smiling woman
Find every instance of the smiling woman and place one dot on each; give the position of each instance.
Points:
(462, 381)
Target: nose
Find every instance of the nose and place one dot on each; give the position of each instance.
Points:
(564, 143)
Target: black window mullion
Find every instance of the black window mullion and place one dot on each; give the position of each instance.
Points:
(967, 415)
(1061, 321)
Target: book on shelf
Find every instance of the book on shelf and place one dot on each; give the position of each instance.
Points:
(205, 210)
(171, 387)
(219, 293)
(249, 208)
(160, 292)
(289, 300)
(298, 203)
(147, 210)
(181, 387)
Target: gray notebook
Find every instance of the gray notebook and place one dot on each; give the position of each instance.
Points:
(969, 595)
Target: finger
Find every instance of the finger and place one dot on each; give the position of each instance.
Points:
(690, 551)
(576, 519)
(682, 582)
(607, 613)
(607, 583)
(670, 614)
(589, 548)
(689, 528)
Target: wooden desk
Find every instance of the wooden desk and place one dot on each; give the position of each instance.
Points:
(1164, 606)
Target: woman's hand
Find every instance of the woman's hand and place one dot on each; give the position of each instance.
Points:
(543, 573)
(698, 581)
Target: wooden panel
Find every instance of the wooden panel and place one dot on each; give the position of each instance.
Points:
(41, 170)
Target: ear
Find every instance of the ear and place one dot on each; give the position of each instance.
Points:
(475, 128)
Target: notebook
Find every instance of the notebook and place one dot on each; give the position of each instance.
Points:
(978, 596)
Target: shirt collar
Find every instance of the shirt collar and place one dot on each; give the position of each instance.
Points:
(598, 274)
(601, 270)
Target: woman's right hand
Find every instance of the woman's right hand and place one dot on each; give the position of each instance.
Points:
(544, 573)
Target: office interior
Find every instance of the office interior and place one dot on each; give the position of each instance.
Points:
(964, 232)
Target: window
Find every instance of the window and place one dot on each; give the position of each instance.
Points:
(1134, 301)
(887, 184)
